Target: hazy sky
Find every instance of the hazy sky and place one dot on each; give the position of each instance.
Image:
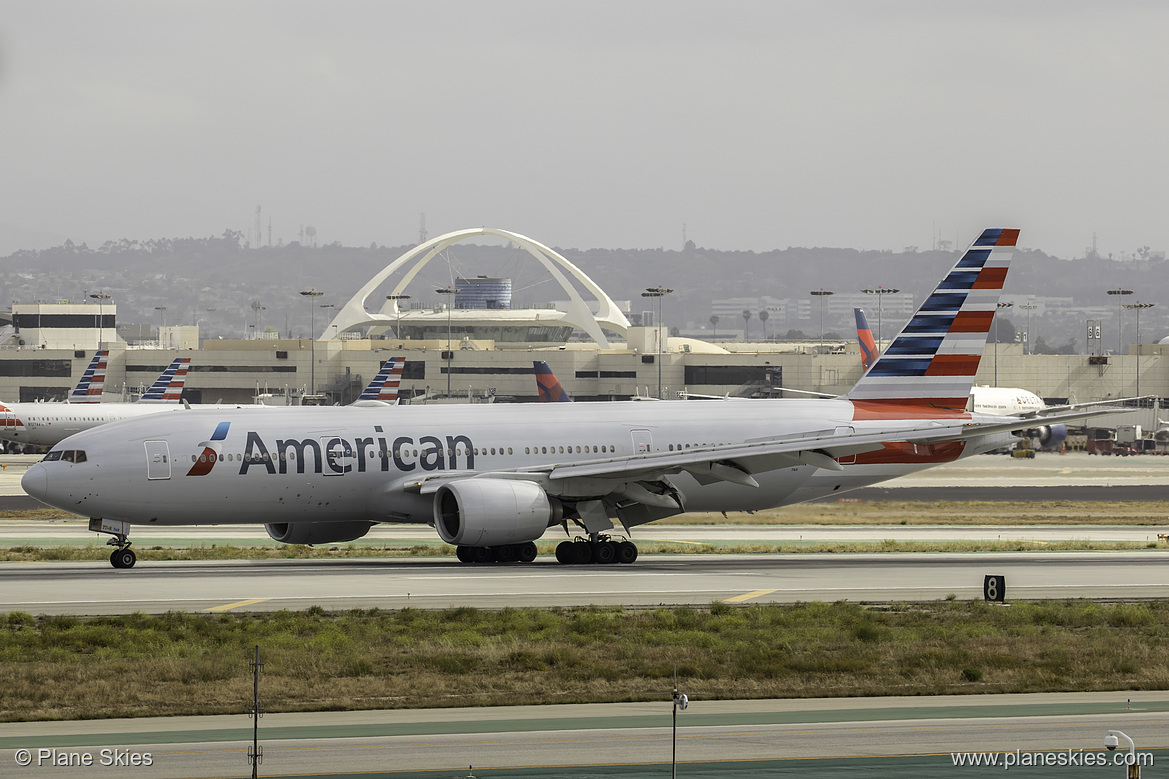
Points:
(589, 124)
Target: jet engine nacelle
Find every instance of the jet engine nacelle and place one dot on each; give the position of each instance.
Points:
(1049, 436)
(493, 512)
(317, 532)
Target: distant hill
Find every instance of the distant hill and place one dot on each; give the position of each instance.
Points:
(215, 280)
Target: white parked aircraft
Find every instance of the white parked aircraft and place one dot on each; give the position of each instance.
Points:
(492, 479)
(45, 424)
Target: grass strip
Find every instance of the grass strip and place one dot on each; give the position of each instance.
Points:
(180, 663)
(92, 552)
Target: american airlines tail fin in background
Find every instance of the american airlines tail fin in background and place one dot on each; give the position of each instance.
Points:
(93, 380)
(865, 336)
(932, 361)
(384, 387)
(169, 386)
(548, 386)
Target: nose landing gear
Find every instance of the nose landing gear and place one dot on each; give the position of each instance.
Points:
(123, 556)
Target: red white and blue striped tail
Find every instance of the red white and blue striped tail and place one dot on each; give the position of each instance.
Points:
(864, 335)
(93, 380)
(548, 386)
(169, 386)
(932, 361)
(384, 386)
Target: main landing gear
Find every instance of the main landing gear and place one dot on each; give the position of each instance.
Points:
(508, 553)
(600, 549)
(123, 556)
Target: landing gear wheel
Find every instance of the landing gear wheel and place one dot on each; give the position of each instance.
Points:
(626, 552)
(604, 552)
(464, 554)
(123, 558)
(506, 553)
(527, 552)
(481, 554)
(565, 553)
(582, 553)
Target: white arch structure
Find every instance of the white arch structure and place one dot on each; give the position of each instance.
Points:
(354, 315)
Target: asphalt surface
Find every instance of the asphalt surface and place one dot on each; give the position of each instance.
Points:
(156, 587)
(912, 737)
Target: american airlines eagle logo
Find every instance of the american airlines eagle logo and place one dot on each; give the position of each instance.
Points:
(211, 451)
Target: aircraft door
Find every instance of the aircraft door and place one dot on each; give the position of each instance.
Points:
(642, 441)
(337, 455)
(157, 460)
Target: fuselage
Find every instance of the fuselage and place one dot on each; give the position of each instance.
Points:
(1004, 401)
(46, 424)
(347, 464)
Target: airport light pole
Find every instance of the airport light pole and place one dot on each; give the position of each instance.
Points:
(879, 291)
(658, 292)
(1137, 307)
(680, 702)
(1120, 292)
(450, 352)
(398, 308)
(312, 311)
(822, 293)
(1028, 307)
(994, 326)
(100, 297)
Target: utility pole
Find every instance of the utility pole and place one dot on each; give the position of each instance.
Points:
(256, 753)
(658, 292)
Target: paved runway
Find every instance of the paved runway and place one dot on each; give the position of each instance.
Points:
(912, 737)
(97, 588)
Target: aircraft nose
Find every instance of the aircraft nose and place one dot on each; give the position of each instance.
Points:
(35, 482)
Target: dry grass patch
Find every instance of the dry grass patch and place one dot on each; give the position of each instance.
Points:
(181, 663)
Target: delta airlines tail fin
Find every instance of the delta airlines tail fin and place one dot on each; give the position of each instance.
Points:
(932, 361)
(169, 386)
(548, 386)
(93, 380)
(865, 336)
(384, 387)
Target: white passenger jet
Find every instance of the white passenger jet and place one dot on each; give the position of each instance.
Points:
(45, 424)
(491, 479)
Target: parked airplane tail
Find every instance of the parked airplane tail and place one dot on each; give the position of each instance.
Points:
(933, 360)
(548, 386)
(93, 380)
(168, 388)
(865, 336)
(384, 387)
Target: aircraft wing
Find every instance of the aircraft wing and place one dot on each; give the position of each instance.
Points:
(733, 463)
(1048, 412)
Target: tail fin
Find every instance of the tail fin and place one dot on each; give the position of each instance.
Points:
(932, 361)
(384, 387)
(168, 388)
(548, 386)
(93, 380)
(865, 336)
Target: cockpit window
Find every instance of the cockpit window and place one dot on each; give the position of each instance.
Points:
(68, 455)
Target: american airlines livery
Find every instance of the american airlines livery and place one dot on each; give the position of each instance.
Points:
(45, 424)
(491, 479)
(999, 401)
(93, 380)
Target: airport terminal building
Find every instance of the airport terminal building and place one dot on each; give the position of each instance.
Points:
(477, 347)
